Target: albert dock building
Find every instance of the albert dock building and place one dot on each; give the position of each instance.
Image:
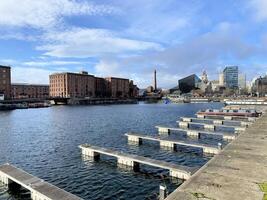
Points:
(5, 82)
(84, 85)
(29, 91)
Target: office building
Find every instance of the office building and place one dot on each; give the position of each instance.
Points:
(231, 77)
(5, 82)
(242, 81)
(221, 79)
(29, 91)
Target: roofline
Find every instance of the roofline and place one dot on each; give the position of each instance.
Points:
(28, 84)
(116, 78)
(3, 66)
(73, 73)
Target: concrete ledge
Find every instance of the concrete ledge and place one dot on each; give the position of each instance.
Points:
(234, 173)
(40, 189)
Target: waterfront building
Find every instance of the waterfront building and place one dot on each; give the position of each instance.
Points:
(24, 91)
(84, 85)
(101, 88)
(118, 87)
(261, 86)
(189, 83)
(175, 90)
(72, 85)
(5, 82)
(133, 89)
(231, 77)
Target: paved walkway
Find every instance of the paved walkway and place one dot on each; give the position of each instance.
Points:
(234, 174)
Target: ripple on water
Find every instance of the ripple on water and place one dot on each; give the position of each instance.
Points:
(44, 142)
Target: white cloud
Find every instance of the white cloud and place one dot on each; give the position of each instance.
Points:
(260, 8)
(35, 75)
(7, 35)
(46, 13)
(50, 63)
(82, 43)
(143, 77)
(210, 51)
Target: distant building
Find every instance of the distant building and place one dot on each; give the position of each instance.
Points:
(189, 83)
(81, 85)
(150, 89)
(204, 77)
(261, 86)
(242, 81)
(5, 82)
(133, 90)
(221, 79)
(175, 90)
(73, 85)
(101, 88)
(118, 87)
(215, 84)
(231, 77)
(24, 91)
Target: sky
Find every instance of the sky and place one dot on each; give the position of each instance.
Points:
(131, 38)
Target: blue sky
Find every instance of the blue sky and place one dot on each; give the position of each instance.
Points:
(131, 38)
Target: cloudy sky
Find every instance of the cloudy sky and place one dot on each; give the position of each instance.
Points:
(131, 38)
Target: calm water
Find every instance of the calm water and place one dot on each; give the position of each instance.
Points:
(44, 142)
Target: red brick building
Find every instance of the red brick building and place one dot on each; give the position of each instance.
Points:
(29, 91)
(73, 85)
(81, 85)
(5, 82)
(118, 87)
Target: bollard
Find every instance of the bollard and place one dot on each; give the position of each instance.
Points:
(220, 146)
(162, 192)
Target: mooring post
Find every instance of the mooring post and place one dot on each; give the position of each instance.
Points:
(162, 192)
(220, 146)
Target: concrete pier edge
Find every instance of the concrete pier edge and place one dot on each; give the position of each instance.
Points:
(235, 173)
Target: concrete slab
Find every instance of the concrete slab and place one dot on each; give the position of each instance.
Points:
(37, 186)
(233, 174)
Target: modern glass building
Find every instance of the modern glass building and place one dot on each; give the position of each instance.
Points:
(189, 83)
(231, 77)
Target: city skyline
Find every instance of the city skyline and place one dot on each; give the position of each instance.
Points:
(110, 38)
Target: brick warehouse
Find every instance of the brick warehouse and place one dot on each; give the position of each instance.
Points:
(5, 82)
(29, 91)
(81, 85)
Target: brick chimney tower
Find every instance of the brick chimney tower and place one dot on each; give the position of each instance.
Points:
(155, 80)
